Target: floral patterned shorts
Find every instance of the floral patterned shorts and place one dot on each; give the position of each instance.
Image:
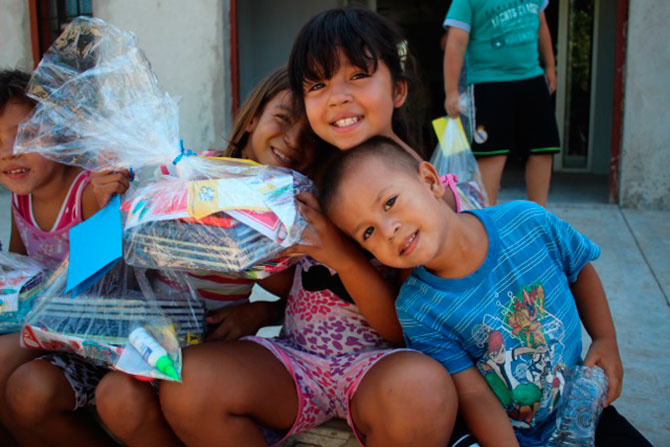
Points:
(325, 385)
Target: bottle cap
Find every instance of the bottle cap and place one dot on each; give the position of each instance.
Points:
(165, 365)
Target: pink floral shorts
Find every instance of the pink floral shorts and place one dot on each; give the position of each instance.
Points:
(325, 385)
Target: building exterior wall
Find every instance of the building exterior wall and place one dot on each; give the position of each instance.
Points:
(645, 151)
(187, 44)
(15, 39)
(267, 29)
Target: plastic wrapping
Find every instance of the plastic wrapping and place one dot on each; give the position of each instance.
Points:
(101, 107)
(580, 408)
(99, 104)
(21, 281)
(97, 323)
(236, 224)
(453, 156)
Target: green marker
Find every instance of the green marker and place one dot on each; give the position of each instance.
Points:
(152, 352)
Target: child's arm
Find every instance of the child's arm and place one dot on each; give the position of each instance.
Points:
(595, 314)
(547, 53)
(374, 296)
(15, 241)
(457, 42)
(234, 322)
(481, 410)
(102, 187)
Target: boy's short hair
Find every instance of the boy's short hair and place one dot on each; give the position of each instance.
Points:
(13, 84)
(383, 149)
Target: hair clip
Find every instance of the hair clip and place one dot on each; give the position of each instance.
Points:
(402, 53)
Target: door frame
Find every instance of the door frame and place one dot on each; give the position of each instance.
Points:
(561, 84)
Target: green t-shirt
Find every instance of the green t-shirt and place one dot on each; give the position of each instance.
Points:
(503, 37)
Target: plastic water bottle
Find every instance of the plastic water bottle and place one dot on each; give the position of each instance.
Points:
(582, 403)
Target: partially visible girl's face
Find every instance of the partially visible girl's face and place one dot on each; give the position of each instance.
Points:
(21, 174)
(274, 136)
(354, 104)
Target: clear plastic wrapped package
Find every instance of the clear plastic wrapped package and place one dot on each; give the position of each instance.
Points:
(235, 224)
(99, 104)
(453, 156)
(21, 281)
(101, 107)
(98, 323)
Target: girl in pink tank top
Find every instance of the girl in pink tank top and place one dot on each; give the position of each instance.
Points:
(49, 246)
(48, 198)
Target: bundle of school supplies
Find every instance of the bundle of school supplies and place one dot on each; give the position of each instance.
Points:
(453, 156)
(21, 281)
(99, 323)
(236, 224)
(101, 107)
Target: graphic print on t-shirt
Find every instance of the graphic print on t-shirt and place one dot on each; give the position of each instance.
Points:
(512, 24)
(520, 362)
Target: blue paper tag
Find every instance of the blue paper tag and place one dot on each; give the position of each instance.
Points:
(95, 247)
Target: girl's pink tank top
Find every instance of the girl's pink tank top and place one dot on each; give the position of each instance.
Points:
(50, 247)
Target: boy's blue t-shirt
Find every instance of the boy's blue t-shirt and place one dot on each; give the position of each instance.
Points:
(514, 318)
(503, 44)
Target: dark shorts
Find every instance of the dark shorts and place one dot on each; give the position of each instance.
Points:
(460, 436)
(514, 118)
(614, 430)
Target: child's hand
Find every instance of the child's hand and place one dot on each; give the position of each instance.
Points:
(107, 183)
(328, 245)
(233, 322)
(604, 352)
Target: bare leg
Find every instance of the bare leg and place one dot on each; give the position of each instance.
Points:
(491, 169)
(406, 399)
(227, 389)
(131, 411)
(41, 402)
(11, 357)
(538, 177)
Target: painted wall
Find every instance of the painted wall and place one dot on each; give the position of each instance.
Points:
(15, 40)
(187, 44)
(645, 152)
(266, 32)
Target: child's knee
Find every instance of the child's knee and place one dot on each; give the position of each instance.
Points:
(123, 403)
(12, 355)
(193, 396)
(36, 390)
(184, 400)
(425, 383)
(402, 394)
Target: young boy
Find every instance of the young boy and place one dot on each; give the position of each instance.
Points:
(496, 295)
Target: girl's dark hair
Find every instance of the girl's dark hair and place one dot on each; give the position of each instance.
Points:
(364, 37)
(13, 84)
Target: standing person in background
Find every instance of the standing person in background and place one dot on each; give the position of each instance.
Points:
(512, 92)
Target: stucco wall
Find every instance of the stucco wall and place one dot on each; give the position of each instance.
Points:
(645, 152)
(15, 35)
(187, 44)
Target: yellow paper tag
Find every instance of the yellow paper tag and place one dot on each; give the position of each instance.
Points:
(202, 198)
(207, 197)
(452, 140)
